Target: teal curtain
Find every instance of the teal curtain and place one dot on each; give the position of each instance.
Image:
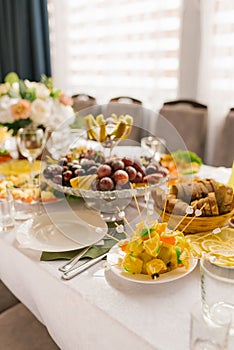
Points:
(24, 39)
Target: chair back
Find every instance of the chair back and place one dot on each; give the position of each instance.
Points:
(127, 105)
(183, 124)
(125, 99)
(82, 101)
(224, 148)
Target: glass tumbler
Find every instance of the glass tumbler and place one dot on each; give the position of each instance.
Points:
(209, 333)
(154, 145)
(217, 282)
(25, 200)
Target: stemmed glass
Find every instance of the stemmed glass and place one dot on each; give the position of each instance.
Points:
(108, 131)
(31, 142)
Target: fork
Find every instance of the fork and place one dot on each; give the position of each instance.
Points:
(69, 265)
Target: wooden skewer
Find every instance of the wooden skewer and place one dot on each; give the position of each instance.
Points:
(126, 234)
(125, 219)
(147, 210)
(137, 205)
(112, 237)
(193, 218)
(181, 220)
(164, 208)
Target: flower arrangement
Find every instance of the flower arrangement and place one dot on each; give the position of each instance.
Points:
(23, 102)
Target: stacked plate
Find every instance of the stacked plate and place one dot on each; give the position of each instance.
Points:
(61, 231)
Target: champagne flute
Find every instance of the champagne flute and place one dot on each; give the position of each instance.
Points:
(31, 143)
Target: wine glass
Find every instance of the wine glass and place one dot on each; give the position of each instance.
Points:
(155, 146)
(108, 131)
(31, 143)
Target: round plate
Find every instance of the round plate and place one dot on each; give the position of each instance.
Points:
(43, 233)
(115, 253)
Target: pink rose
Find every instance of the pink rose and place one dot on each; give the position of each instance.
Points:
(21, 109)
(66, 100)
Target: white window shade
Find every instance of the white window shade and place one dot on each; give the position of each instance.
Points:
(108, 48)
(216, 87)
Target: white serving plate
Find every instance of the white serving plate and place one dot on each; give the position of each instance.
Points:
(59, 232)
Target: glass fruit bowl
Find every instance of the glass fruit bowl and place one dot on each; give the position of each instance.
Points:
(108, 203)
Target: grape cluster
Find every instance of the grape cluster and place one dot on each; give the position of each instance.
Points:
(118, 173)
(66, 170)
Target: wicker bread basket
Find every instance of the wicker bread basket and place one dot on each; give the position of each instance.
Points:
(199, 224)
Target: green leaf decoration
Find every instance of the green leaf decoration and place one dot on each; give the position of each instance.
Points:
(22, 88)
(187, 156)
(17, 124)
(11, 78)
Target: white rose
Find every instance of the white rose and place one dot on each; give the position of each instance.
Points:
(4, 88)
(6, 102)
(61, 113)
(41, 111)
(41, 90)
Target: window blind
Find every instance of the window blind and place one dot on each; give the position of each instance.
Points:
(109, 48)
(222, 57)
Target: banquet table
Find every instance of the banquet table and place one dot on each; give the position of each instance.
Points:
(97, 309)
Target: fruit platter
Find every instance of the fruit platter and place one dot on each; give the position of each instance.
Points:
(152, 254)
(104, 184)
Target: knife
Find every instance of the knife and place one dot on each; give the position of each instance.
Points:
(77, 270)
(69, 265)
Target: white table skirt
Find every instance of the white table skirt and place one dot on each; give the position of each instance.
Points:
(97, 309)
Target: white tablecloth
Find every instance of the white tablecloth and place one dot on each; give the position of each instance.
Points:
(97, 309)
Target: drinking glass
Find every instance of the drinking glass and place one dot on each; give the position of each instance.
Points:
(25, 200)
(6, 215)
(209, 333)
(154, 145)
(31, 143)
(217, 284)
(109, 132)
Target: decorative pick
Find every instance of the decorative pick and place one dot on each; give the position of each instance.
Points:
(216, 231)
(194, 217)
(189, 210)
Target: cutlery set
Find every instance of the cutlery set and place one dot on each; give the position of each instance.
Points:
(77, 270)
(70, 269)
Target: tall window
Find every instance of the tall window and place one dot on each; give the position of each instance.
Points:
(216, 87)
(108, 48)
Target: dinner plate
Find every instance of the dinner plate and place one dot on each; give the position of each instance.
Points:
(113, 258)
(43, 233)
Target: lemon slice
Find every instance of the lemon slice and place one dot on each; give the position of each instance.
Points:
(210, 243)
(196, 249)
(226, 233)
(215, 247)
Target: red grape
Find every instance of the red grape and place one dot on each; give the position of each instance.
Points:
(104, 170)
(106, 184)
(127, 161)
(121, 177)
(117, 164)
(132, 173)
(138, 178)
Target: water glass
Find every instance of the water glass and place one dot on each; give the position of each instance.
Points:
(6, 215)
(209, 333)
(25, 200)
(217, 282)
(154, 145)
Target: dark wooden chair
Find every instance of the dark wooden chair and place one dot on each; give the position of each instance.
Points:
(224, 147)
(127, 105)
(19, 327)
(82, 101)
(7, 299)
(125, 99)
(183, 125)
